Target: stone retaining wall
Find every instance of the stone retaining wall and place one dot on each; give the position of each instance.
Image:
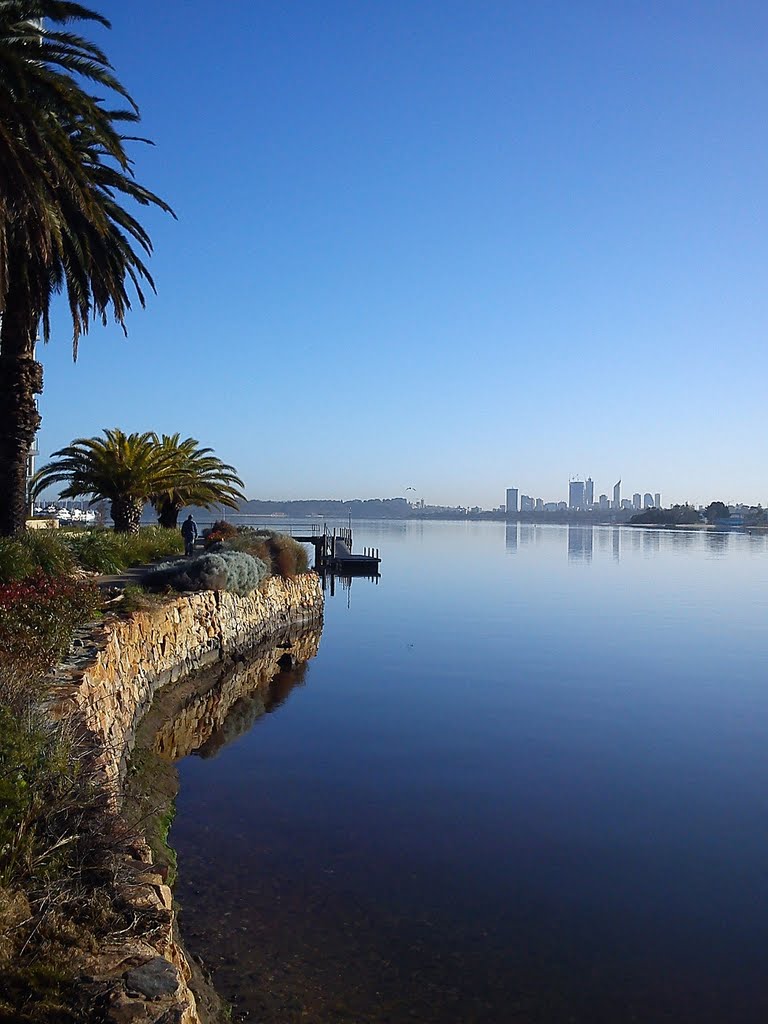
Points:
(109, 681)
(104, 689)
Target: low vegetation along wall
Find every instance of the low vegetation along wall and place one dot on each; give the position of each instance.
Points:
(105, 688)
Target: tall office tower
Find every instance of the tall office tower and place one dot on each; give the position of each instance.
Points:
(637, 500)
(539, 504)
(589, 494)
(576, 494)
(617, 495)
(604, 503)
(526, 503)
(647, 500)
(657, 500)
(511, 500)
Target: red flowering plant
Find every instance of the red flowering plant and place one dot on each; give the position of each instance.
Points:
(39, 615)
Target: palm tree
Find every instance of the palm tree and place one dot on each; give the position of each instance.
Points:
(125, 469)
(64, 174)
(203, 480)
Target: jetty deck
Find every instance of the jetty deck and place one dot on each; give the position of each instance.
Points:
(333, 553)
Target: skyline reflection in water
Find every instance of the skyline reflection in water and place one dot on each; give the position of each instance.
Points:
(523, 779)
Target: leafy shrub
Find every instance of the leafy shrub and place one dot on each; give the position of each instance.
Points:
(98, 551)
(49, 551)
(43, 550)
(220, 531)
(251, 542)
(287, 557)
(39, 615)
(15, 560)
(235, 571)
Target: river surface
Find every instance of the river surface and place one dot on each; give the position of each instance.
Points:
(525, 779)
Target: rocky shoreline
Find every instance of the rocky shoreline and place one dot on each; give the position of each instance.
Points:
(106, 690)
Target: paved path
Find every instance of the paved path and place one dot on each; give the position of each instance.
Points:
(136, 573)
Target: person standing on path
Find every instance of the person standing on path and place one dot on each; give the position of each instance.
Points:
(189, 533)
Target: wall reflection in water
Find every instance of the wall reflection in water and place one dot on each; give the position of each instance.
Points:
(203, 714)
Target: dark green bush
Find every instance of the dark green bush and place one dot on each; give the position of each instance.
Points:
(15, 560)
(98, 551)
(44, 550)
(50, 551)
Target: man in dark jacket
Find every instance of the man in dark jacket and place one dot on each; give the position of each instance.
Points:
(189, 533)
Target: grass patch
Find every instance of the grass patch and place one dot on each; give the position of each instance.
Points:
(109, 553)
(63, 552)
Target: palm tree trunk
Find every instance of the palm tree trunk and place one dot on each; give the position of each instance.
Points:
(169, 515)
(126, 514)
(21, 378)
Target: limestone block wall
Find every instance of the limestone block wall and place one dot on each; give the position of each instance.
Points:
(104, 689)
(116, 667)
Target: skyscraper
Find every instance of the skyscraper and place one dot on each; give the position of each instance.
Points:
(511, 504)
(575, 494)
(657, 500)
(637, 500)
(647, 500)
(617, 495)
(589, 493)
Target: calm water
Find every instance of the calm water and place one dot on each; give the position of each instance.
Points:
(525, 779)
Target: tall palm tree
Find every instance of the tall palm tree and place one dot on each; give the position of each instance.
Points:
(125, 469)
(64, 175)
(202, 479)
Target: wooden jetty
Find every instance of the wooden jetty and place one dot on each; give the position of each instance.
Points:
(333, 553)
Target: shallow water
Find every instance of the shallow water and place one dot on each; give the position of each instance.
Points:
(523, 780)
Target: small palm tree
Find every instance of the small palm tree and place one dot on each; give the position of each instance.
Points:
(201, 479)
(124, 469)
(64, 175)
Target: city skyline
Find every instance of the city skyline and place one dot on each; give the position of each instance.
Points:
(581, 497)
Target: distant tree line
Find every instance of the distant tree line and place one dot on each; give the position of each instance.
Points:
(687, 515)
(372, 508)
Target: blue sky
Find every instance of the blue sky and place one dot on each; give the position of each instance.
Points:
(456, 246)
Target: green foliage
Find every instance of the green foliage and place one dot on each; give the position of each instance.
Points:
(201, 478)
(131, 469)
(15, 560)
(678, 515)
(34, 765)
(717, 510)
(35, 550)
(49, 551)
(59, 553)
(137, 599)
(234, 571)
(106, 552)
(39, 615)
(98, 551)
(149, 544)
